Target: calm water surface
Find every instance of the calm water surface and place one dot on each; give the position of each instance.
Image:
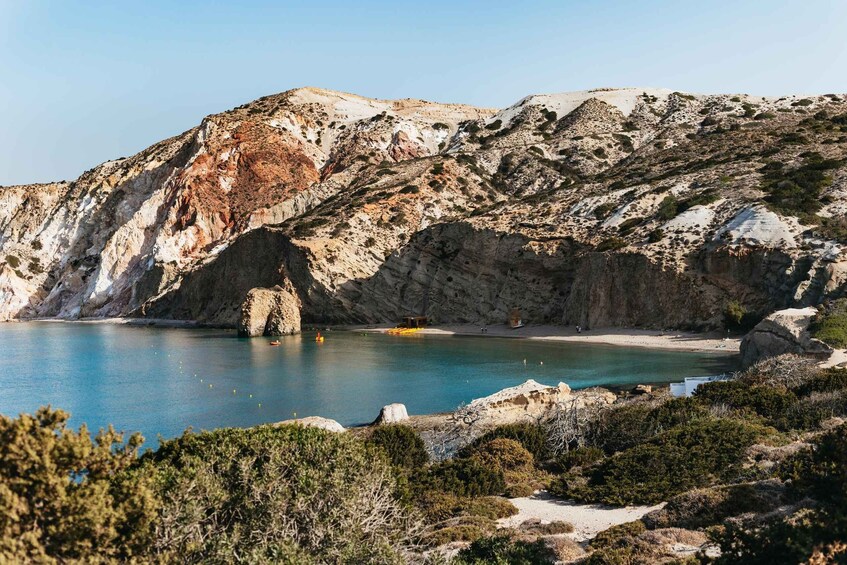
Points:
(160, 381)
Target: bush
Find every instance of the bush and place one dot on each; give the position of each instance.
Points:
(610, 536)
(65, 498)
(768, 402)
(686, 456)
(828, 380)
(830, 325)
(736, 317)
(610, 244)
(700, 508)
(626, 426)
(530, 436)
(580, 457)
(655, 236)
(797, 191)
(462, 477)
(402, 444)
(258, 491)
(503, 550)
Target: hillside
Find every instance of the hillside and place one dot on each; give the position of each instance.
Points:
(610, 207)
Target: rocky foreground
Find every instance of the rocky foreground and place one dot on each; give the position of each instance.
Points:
(630, 207)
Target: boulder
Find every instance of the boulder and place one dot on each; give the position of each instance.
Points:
(784, 331)
(270, 311)
(315, 422)
(392, 413)
(642, 389)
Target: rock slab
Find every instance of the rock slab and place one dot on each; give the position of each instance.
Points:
(315, 422)
(784, 331)
(270, 311)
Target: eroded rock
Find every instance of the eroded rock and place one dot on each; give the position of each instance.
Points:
(270, 311)
(785, 331)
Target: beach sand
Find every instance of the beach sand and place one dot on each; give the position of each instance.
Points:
(653, 339)
(587, 519)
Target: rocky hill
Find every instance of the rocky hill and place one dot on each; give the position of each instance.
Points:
(635, 207)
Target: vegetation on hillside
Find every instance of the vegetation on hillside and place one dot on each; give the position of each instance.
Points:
(756, 463)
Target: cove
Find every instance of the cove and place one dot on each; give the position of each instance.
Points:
(160, 381)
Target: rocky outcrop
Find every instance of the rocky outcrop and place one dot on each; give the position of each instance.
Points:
(315, 422)
(530, 400)
(270, 311)
(785, 331)
(611, 207)
(392, 414)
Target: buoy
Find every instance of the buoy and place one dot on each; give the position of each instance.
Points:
(251, 396)
(541, 362)
(260, 405)
(210, 386)
(233, 391)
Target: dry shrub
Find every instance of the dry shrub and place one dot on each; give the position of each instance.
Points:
(564, 548)
(784, 371)
(536, 526)
(672, 536)
(705, 507)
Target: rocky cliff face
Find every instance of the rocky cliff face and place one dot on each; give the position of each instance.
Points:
(607, 207)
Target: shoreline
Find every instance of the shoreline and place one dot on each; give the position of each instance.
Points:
(714, 342)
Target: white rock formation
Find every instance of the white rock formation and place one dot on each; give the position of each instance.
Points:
(392, 414)
(785, 331)
(315, 422)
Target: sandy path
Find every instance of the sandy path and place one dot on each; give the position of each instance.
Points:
(588, 519)
(653, 339)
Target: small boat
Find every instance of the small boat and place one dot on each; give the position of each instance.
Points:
(319, 338)
(274, 343)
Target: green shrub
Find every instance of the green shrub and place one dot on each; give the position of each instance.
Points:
(610, 536)
(667, 208)
(628, 425)
(402, 444)
(462, 477)
(13, 261)
(830, 324)
(811, 535)
(503, 550)
(828, 380)
(628, 226)
(580, 457)
(655, 236)
(766, 401)
(235, 492)
(610, 244)
(66, 498)
(530, 436)
(797, 191)
(736, 317)
(603, 211)
(686, 456)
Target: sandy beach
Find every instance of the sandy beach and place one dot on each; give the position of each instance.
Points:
(653, 339)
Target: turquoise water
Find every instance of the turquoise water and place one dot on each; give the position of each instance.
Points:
(160, 381)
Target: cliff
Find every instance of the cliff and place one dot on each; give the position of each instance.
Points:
(607, 207)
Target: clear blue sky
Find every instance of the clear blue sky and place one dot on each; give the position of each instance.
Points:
(85, 81)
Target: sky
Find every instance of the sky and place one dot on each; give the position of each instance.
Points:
(82, 82)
